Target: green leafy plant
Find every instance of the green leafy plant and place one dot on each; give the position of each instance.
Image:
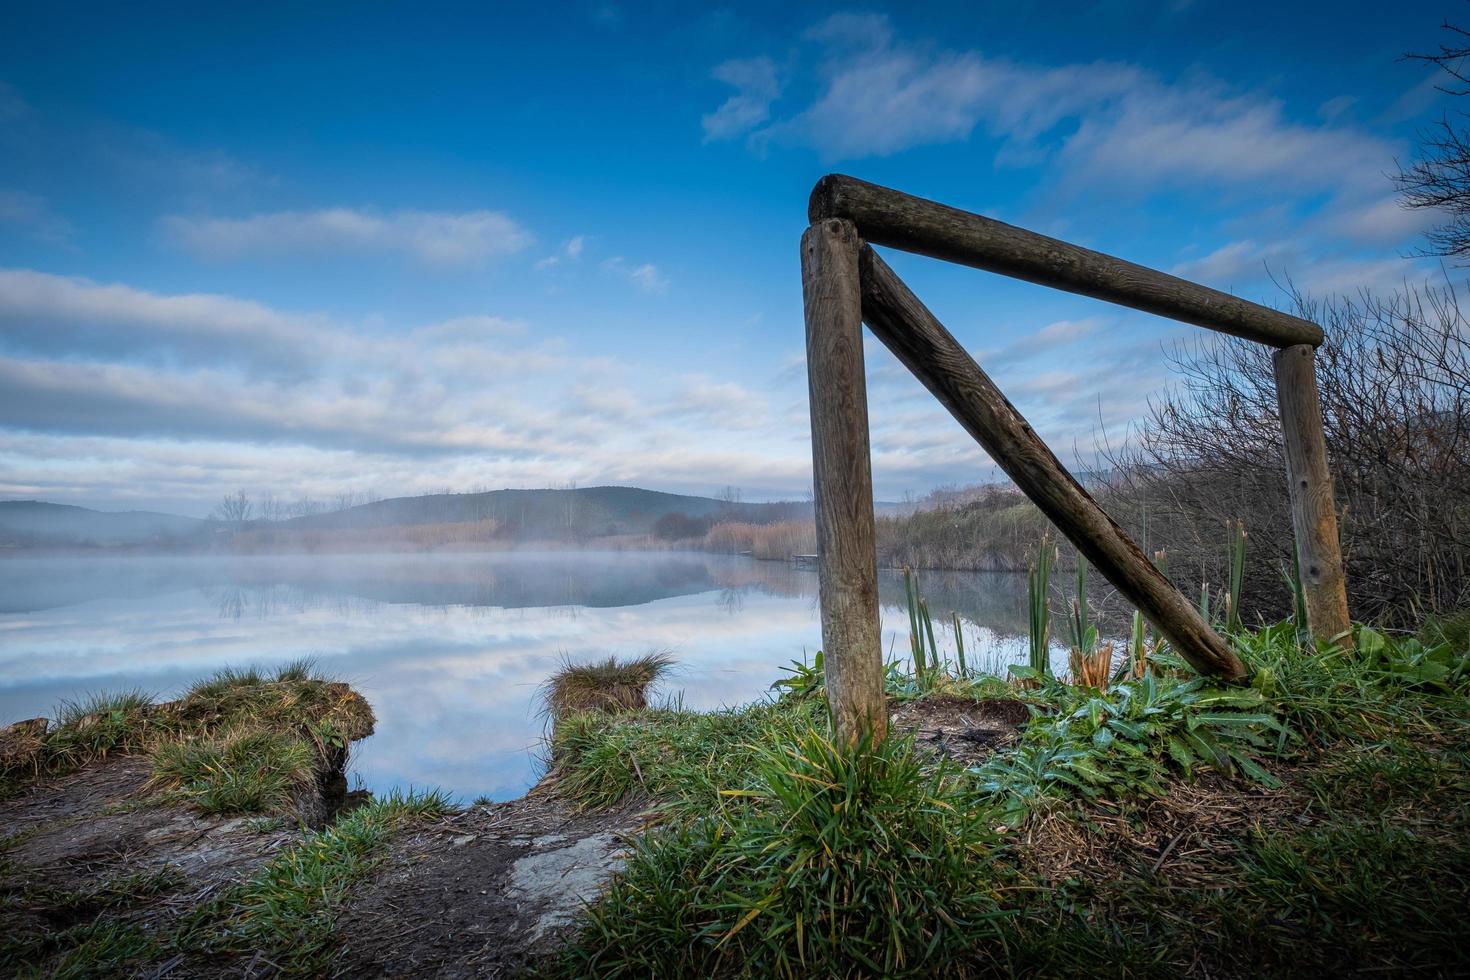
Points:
(1131, 740)
(806, 680)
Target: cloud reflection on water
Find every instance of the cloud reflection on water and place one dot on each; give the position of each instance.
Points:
(450, 649)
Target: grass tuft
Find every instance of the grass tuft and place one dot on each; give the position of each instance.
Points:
(239, 772)
(606, 686)
(837, 861)
(98, 726)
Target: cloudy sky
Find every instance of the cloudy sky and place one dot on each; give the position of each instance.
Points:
(403, 248)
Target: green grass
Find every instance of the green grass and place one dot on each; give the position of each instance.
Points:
(88, 944)
(682, 759)
(835, 861)
(239, 772)
(100, 949)
(99, 726)
(1451, 628)
(241, 741)
(289, 907)
(1357, 856)
(286, 911)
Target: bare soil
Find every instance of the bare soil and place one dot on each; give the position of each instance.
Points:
(964, 730)
(483, 892)
(69, 839)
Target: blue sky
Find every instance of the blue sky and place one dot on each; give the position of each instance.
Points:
(397, 248)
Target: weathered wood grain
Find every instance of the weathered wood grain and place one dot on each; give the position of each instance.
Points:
(847, 563)
(1309, 481)
(922, 343)
(889, 217)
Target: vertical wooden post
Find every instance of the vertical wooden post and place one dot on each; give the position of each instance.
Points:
(1313, 508)
(847, 558)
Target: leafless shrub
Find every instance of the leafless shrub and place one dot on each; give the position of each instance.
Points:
(1394, 376)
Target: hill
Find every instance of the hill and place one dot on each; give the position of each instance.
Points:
(35, 523)
(575, 514)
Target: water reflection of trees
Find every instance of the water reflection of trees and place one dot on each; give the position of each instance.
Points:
(554, 583)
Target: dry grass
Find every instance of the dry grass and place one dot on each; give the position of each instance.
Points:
(608, 686)
(1092, 668)
(779, 540)
(1189, 837)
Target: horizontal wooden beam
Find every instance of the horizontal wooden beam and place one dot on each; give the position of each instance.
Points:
(922, 343)
(888, 217)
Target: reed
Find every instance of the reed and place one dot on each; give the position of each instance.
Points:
(1038, 602)
(916, 638)
(959, 646)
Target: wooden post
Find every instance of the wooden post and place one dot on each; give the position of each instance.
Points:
(847, 563)
(888, 217)
(1309, 481)
(922, 343)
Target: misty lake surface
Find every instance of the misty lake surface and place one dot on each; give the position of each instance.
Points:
(450, 649)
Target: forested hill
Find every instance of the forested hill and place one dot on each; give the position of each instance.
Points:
(583, 512)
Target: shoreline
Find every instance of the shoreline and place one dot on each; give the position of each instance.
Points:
(1057, 829)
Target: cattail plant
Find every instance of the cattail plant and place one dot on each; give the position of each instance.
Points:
(916, 637)
(959, 645)
(1237, 577)
(1038, 587)
(935, 662)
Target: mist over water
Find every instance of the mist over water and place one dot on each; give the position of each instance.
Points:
(449, 648)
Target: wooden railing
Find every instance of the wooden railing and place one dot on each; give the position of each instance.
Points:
(846, 283)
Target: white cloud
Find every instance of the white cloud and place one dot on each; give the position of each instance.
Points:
(69, 316)
(110, 391)
(570, 251)
(433, 237)
(1384, 221)
(1104, 121)
(1224, 267)
(852, 30)
(756, 87)
(1283, 265)
(645, 276)
(32, 212)
(725, 403)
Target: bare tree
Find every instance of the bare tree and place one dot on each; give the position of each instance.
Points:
(270, 508)
(1440, 178)
(235, 508)
(305, 506)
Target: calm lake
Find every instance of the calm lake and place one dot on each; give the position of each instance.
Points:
(450, 649)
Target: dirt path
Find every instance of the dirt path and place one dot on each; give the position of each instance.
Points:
(96, 842)
(484, 891)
